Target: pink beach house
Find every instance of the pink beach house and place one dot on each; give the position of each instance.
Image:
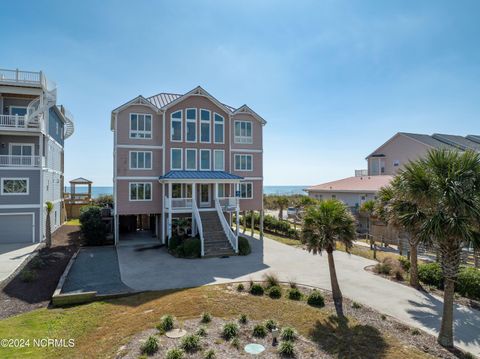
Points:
(186, 156)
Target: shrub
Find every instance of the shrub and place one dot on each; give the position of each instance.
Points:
(271, 324)
(201, 332)
(271, 280)
(235, 343)
(383, 268)
(468, 356)
(259, 331)
(468, 282)
(431, 274)
(175, 353)
(37, 263)
(356, 305)
(315, 299)
(240, 287)
(243, 319)
(415, 331)
(244, 246)
(294, 294)
(383, 316)
(230, 330)
(405, 263)
(292, 284)
(190, 248)
(256, 289)
(166, 323)
(206, 318)
(104, 200)
(190, 343)
(150, 347)
(93, 228)
(398, 273)
(275, 292)
(210, 354)
(27, 275)
(286, 349)
(174, 242)
(288, 334)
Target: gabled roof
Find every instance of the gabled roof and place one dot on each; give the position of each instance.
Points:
(81, 180)
(139, 100)
(164, 98)
(200, 175)
(360, 184)
(248, 110)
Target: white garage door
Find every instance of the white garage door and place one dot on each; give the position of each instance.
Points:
(16, 228)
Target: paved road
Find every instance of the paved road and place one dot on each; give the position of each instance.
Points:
(154, 269)
(12, 255)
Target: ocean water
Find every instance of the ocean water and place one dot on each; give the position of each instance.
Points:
(281, 190)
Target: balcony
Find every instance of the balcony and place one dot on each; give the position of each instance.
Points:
(23, 78)
(19, 161)
(17, 122)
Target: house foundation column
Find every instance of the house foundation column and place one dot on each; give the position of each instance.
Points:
(253, 222)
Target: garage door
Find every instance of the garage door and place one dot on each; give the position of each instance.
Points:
(16, 228)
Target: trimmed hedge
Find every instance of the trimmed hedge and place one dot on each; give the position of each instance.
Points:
(243, 246)
(431, 274)
(185, 248)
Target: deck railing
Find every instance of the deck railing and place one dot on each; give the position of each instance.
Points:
(12, 121)
(19, 161)
(199, 226)
(228, 203)
(232, 238)
(17, 77)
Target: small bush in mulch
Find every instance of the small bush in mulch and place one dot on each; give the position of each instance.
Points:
(275, 292)
(37, 263)
(271, 324)
(256, 289)
(244, 246)
(240, 287)
(356, 305)
(259, 331)
(201, 332)
(243, 319)
(166, 323)
(415, 331)
(405, 263)
(150, 347)
(287, 349)
(315, 299)
(383, 268)
(292, 284)
(206, 318)
(271, 280)
(190, 343)
(294, 294)
(236, 343)
(230, 331)
(27, 275)
(175, 353)
(209, 354)
(288, 334)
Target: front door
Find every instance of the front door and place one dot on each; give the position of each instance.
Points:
(204, 195)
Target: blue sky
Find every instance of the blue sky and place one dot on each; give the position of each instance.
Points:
(334, 79)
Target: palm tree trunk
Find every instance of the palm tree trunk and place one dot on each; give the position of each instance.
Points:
(445, 337)
(48, 229)
(336, 293)
(280, 213)
(244, 221)
(414, 265)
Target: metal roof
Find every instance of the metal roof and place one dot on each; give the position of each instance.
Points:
(360, 184)
(200, 175)
(164, 98)
(429, 140)
(463, 143)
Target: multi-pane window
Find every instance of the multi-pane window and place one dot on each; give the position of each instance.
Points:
(191, 159)
(191, 125)
(176, 126)
(18, 110)
(140, 125)
(14, 186)
(243, 163)
(243, 132)
(140, 160)
(205, 160)
(218, 160)
(218, 128)
(205, 126)
(246, 190)
(140, 191)
(176, 159)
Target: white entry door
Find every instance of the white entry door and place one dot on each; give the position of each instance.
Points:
(204, 195)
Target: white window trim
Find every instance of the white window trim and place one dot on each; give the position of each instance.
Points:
(244, 140)
(240, 169)
(223, 163)
(246, 183)
(209, 162)
(10, 145)
(139, 169)
(138, 131)
(13, 106)
(209, 125)
(15, 179)
(215, 131)
(172, 120)
(223, 185)
(186, 159)
(139, 200)
(191, 121)
(171, 159)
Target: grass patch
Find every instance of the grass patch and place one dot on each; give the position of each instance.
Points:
(73, 222)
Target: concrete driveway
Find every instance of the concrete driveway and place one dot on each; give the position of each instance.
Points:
(154, 269)
(12, 255)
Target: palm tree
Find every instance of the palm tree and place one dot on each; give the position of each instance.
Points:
(367, 208)
(323, 225)
(282, 202)
(445, 188)
(48, 226)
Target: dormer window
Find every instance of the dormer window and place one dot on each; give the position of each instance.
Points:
(243, 132)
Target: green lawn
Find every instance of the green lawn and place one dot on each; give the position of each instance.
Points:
(73, 222)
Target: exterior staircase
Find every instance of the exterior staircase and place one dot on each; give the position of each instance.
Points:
(216, 243)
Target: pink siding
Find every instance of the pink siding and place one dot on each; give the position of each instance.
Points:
(123, 163)
(123, 127)
(257, 162)
(256, 202)
(257, 132)
(125, 206)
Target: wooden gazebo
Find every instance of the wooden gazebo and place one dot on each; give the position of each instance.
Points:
(75, 200)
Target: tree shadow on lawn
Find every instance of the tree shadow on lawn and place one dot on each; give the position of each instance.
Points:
(336, 337)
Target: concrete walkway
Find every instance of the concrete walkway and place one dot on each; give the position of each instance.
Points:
(12, 255)
(154, 269)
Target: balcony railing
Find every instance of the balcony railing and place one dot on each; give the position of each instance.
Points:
(178, 203)
(361, 173)
(228, 203)
(19, 161)
(17, 77)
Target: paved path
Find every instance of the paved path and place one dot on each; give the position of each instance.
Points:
(154, 269)
(12, 255)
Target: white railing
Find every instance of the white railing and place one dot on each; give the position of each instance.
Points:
(12, 121)
(198, 223)
(25, 78)
(181, 203)
(232, 238)
(361, 173)
(19, 161)
(228, 203)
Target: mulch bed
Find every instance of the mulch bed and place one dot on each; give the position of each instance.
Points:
(19, 296)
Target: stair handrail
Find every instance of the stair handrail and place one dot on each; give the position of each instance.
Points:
(232, 238)
(198, 221)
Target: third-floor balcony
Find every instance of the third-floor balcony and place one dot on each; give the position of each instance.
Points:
(19, 161)
(16, 122)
